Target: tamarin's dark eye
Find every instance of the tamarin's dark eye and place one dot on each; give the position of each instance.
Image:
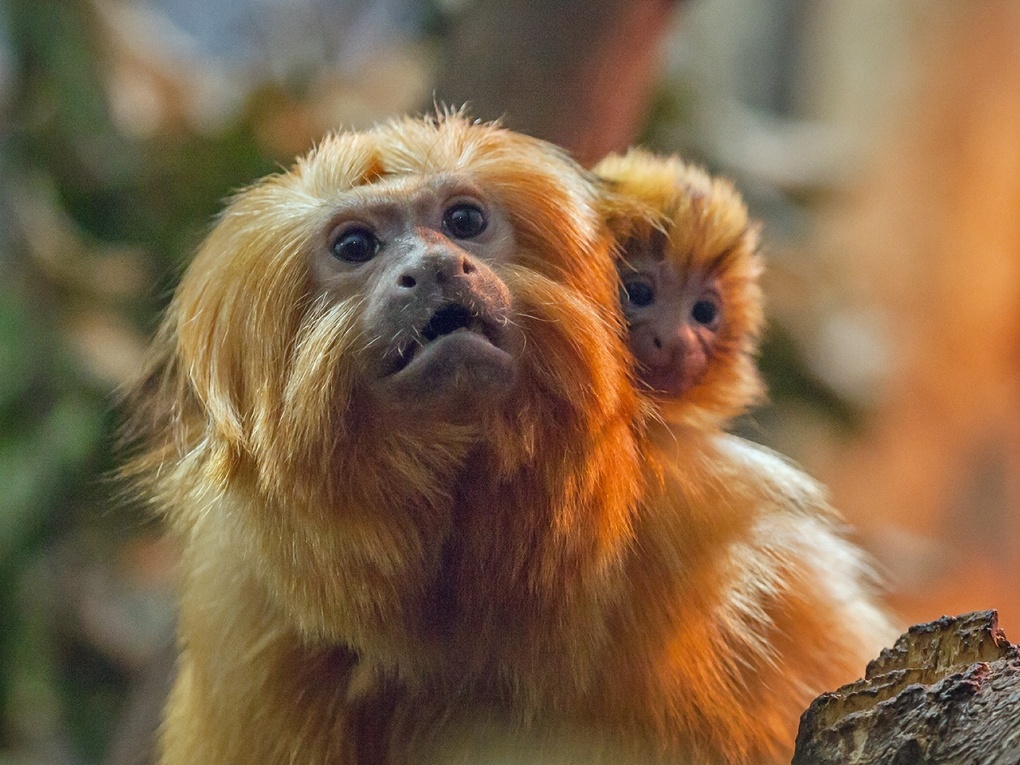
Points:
(356, 245)
(639, 293)
(464, 221)
(705, 312)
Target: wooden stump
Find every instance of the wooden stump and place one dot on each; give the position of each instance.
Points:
(947, 692)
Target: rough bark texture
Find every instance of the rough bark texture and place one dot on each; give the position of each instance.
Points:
(947, 693)
(576, 73)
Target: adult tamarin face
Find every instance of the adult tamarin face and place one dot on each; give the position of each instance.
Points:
(412, 265)
(419, 254)
(359, 331)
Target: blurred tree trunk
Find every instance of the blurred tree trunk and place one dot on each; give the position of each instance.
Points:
(576, 73)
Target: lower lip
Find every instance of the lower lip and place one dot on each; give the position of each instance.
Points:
(448, 354)
(460, 341)
(668, 385)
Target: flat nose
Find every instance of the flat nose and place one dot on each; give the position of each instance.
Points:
(435, 268)
(669, 343)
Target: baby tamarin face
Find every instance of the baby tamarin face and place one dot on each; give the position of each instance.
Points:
(688, 264)
(674, 318)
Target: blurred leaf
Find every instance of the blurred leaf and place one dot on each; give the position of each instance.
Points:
(94, 690)
(18, 363)
(37, 460)
(34, 676)
(55, 39)
(789, 377)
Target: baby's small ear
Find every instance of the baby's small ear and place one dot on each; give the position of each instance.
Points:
(629, 221)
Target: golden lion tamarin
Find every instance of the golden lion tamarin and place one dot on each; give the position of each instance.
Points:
(391, 414)
(689, 265)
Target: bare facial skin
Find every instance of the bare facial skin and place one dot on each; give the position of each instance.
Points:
(422, 257)
(674, 321)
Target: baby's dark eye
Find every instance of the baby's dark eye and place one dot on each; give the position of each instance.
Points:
(464, 221)
(356, 245)
(705, 312)
(639, 293)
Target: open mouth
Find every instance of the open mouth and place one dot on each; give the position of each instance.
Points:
(446, 320)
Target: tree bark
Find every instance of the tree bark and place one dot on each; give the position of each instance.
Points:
(948, 693)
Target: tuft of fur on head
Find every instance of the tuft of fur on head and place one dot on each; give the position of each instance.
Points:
(696, 221)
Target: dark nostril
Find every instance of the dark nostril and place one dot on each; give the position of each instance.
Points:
(657, 342)
(406, 281)
(467, 266)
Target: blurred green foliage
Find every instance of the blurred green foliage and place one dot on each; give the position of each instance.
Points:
(58, 692)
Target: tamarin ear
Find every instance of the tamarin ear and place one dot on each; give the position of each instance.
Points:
(210, 359)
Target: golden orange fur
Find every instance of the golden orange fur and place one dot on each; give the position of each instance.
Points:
(498, 568)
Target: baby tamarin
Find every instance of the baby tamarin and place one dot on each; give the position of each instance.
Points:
(391, 415)
(689, 266)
